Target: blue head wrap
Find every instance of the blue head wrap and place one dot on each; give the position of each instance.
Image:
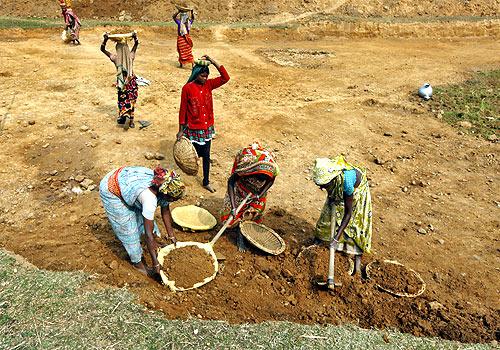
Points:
(197, 70)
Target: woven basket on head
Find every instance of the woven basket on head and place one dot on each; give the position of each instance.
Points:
(262, 237)
(183, 8)
(118, 37)
(185, 156)
(193, 218)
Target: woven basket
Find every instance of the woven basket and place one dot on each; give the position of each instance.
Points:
(193, 218)
(394, 292)
(262, 237)
(120, 37)
(185, 156)
(182, 8)
(166, 250)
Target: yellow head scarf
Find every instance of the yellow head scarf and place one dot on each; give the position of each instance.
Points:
(326, 169)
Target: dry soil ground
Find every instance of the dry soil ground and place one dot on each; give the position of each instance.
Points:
(355, 97)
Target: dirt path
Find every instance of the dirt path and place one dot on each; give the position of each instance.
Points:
(356, 99)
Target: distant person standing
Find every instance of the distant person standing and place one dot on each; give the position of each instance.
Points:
(126, 80)
(184, 19)
(196, 113)
(72, 22)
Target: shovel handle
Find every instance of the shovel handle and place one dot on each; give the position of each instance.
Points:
(331, 264)
(229, 219)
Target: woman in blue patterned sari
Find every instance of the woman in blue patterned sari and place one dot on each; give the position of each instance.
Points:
(130, 196)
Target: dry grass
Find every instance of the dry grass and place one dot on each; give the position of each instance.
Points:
(50, 310)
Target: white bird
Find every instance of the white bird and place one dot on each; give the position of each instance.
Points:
(425, 91)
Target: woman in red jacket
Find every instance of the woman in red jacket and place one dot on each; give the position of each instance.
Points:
(196, 114)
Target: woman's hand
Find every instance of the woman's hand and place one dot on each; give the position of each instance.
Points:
(106, 36)
(174, 240)
(179, 135)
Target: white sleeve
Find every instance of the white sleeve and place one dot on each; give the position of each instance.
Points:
(149, 203)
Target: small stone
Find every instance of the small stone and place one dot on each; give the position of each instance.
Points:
(31, 122)
(378, 161)
(86, 183)
(437, 277)
(53, 173)
(440, 241)
(388, 134)
(91, 187)
(94, 135)
(434, 305)
(113, 265)
(79, 178)
(492, 137)
(46, 145)
(476, 257)
(149, 155)
(422, 231)
(159, 156)
(465, 124)
(62, 126)
(430, 227)
(405, 189)
(118, 142)
(84, 128)
(76, 189)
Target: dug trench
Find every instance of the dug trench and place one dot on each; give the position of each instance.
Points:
(255, 287)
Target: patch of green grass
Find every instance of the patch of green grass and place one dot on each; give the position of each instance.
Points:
(50, 310)
(475, 101)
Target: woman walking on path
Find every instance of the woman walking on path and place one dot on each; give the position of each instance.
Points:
(184, 41)
(126, 81)
(196, 113)
(71, 21)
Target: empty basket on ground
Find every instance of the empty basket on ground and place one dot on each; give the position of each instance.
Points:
(193, 218)
(185, 156)
(262, 237)
(400, 293)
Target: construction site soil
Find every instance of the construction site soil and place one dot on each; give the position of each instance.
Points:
(187, 266)
(306, 92)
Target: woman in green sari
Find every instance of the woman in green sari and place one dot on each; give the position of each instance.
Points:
(347, 189)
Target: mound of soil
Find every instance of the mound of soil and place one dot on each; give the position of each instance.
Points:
(396, 278)
(187, 266)
(279, 11)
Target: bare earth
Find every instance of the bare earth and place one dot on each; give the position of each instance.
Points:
(305, 98)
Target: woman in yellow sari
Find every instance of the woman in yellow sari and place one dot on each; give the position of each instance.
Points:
(347, 188)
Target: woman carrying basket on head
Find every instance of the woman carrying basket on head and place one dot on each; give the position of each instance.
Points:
(71, 21)
(253, 172)
(130, 196)
(347, 189)
(184, 19)
(196, 112)
(126, 81)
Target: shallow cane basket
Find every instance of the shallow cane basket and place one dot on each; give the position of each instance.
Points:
(395, 292)
(205, 246)
(263, 237)
(191, 217)
(121, 37)
(185, 156)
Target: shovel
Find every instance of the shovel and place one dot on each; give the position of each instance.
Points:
(208, 247)
(330, 281)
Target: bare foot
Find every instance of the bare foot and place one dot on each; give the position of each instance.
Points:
(240, 242)
(141, 268)
(209, 188)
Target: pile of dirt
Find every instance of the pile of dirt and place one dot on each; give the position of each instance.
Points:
(394, 277)
(298, 58)
(230, 10)
(188, 266)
